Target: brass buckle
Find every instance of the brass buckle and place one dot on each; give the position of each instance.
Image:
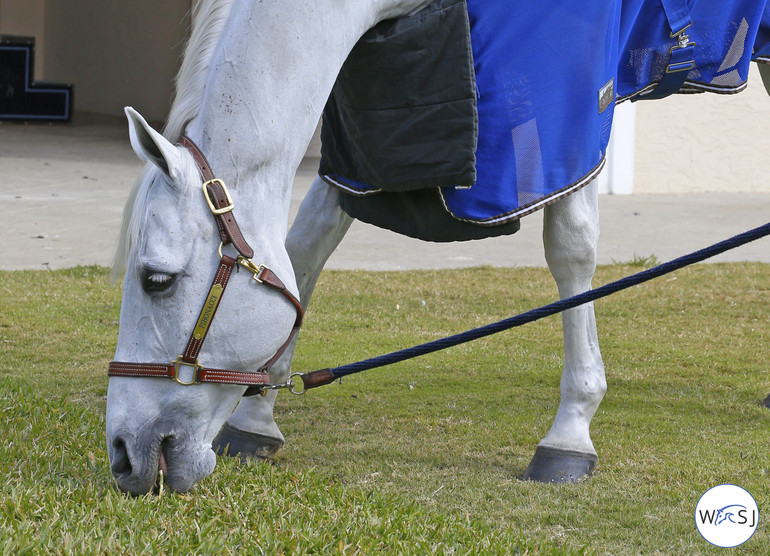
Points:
(251, 266)
(683, 41)
(681, 31)
(684, 66)
(215, 210)
(177, 363)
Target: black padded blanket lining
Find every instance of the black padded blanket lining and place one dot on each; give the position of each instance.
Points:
(402, 114)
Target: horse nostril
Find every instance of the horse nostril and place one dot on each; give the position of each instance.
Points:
(154, 281)
(121, 464)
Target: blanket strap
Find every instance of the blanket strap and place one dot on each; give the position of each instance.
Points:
(682, 54)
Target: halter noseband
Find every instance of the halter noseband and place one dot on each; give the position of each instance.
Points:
(185, 368)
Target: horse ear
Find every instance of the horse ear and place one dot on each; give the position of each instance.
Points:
(151, 146)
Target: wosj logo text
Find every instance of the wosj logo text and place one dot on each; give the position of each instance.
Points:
(736, 514)
(727, 515)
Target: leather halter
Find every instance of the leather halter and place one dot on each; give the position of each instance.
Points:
(185, 368)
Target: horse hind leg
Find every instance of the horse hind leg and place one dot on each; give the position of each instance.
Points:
(570, 235)
(251, 431)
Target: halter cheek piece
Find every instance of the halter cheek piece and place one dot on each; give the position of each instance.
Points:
(185, 368)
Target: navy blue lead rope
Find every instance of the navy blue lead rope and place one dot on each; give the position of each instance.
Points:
(325, 376)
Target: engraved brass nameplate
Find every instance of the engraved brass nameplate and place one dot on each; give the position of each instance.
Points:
(204, 321)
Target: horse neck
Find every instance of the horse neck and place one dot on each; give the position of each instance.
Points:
(269, 78)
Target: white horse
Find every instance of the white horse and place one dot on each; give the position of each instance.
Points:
(252, 86)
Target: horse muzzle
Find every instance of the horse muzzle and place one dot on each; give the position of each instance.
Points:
(136, 463)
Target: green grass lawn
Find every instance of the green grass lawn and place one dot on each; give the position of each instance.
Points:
(421, 457)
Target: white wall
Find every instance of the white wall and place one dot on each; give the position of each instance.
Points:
(116, 52)
(707, 142)
(617, 178)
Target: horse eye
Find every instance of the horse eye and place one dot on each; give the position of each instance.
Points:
(155, 282)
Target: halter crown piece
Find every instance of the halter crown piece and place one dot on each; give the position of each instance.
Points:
(185, 368)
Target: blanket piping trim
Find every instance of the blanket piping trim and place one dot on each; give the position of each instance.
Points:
(328, 178)
(515, 214)
(519, 212)
(689, 88)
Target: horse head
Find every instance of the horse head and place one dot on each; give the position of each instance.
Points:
(175, 251)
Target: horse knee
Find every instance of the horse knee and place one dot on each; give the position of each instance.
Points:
(572, 261)
(317, 230)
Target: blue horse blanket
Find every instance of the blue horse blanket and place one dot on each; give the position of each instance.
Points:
(534, 123)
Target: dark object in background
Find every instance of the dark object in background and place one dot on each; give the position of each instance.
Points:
(21, 98)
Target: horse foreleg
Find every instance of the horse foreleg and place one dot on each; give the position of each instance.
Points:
(317, 230)
(570, 235)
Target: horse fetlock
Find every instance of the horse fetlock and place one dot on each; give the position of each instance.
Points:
(583, 389)
(571, 429)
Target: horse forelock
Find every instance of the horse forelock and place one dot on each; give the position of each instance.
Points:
(137, 208)
(131, 226)
(207, 22)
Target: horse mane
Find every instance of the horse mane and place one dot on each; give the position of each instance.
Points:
(208, 19)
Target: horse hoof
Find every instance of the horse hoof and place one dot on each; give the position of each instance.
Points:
(237, 443)
(552, 465)
(766, 403)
